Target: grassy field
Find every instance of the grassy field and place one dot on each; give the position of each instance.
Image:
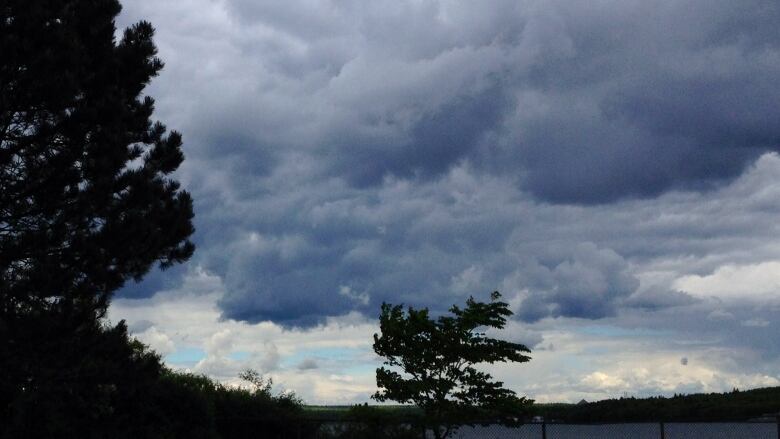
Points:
(337, 412)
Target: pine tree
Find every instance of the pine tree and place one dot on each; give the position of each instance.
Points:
(87, 201)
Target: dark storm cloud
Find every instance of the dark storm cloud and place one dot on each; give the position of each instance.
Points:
(346, 153)
(584, 102)
(435, 142)
(653, 96)
(347, 252)
(580, 102)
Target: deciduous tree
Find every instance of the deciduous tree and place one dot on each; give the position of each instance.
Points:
(434, 363)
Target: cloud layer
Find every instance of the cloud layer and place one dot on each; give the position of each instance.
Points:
(386, 149)
(608, 161)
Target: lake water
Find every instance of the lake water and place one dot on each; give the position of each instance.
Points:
(719, 430)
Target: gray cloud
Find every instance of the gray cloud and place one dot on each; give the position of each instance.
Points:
(581, 103)
(580, 280)
(308, 364)
(746, 348)
(139, 326)
(658, 299)
(664, 95)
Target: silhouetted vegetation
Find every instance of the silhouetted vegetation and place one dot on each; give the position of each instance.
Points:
(105, 384)
(228, 412)
(86, 204)
(86, 198)
(437, 359)
(363, 421)
(733, 406)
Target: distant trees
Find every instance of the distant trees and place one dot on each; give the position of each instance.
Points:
(437, 361)
(738, 405)
(86, 203)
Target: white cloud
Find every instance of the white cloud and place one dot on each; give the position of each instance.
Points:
(605, 383)
(468, 281)
(720, 314)
(348, 292)
(270, 357)
(219, 344)
(751, 281)
(756, 323)
(158, 341)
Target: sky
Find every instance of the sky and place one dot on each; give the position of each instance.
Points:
(610, 166)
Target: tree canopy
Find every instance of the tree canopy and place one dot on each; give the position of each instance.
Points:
(87, 202)
(438, 361)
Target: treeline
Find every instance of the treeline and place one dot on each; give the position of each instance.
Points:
(732, 406)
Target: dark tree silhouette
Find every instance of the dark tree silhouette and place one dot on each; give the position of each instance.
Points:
(438, 359)
(86, 197)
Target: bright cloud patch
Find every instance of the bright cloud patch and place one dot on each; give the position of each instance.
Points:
(755, 281)
(159, 341)
(186, 328)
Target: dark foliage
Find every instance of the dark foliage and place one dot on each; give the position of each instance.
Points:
(86, 203)
(437, 360)
(233, 413)
(103, 384)
(242, 413)
(91, 378)
(363, 421)
(734, 406)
